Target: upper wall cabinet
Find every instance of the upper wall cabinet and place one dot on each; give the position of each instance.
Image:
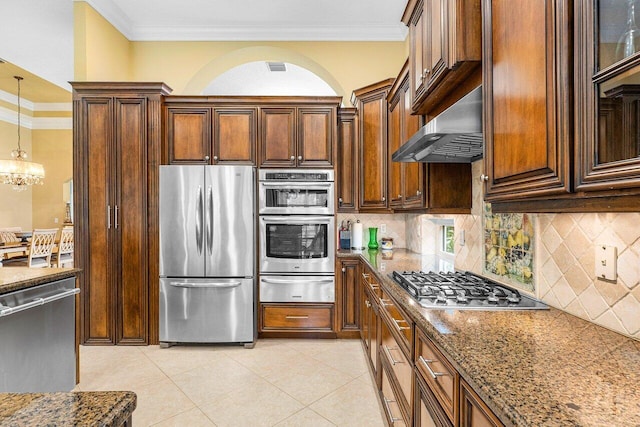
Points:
(347, 160)
(445, 49)
(608, 95)
(527, 99)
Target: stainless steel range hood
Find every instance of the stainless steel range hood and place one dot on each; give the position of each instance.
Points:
(454, 136)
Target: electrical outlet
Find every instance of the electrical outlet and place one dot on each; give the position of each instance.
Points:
(55, 220)
(383, 267)
(606, 260)
(383, 228)
(461, 238)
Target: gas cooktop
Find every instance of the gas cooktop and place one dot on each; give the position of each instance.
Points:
(463, 291)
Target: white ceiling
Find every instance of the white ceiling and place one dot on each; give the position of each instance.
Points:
(255, 19)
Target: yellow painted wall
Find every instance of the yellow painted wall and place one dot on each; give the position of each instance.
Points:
(15, 207)
(54, 149)
(101, 53)
(188, 67)
(104, 54)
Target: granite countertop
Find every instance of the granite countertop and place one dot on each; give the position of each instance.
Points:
(100, 408)
(531, 367)
(17, 278)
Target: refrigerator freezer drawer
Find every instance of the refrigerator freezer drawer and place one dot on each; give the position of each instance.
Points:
(206, 310)
(297, 288)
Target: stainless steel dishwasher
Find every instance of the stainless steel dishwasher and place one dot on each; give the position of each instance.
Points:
(37, 338)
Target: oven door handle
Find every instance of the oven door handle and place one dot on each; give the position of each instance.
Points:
(309, 185)
(294, 219)
(306, 282)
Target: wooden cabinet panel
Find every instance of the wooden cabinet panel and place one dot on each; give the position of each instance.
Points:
(371, 103)
(348, 303)
(234, 132)
(413, 174)
(98, 300)
(390, 404)
(427, 411)
(527, 107)
(347, 161)
(315, 137)
(436, 14)
(297, 317)
(188, 135)
(130, 220)
(473, 411)
(395, 140)
(449, 187)
(400, 369)
(277, 144)
(117, 144)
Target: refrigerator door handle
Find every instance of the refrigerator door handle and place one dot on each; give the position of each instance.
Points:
(210, 219)
(199, 208)
(205, 284)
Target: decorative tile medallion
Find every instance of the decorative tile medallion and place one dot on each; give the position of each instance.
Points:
(508, 247)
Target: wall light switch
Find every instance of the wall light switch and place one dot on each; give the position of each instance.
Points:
(606, 260)
(461, 238)
(383, 228)
(55, 220)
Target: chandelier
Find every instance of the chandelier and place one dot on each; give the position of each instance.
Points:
(18, 172)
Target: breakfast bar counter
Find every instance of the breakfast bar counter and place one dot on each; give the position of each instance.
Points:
(19, 278)
(101, 408)
(531, 367)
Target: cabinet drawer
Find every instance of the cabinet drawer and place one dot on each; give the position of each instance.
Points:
(298, 317)
(399, 324)
(438, 373)
(390, 403)
(397, 361)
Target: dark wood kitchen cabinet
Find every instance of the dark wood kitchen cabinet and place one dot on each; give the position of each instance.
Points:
(347, 161)
(117, 146)
(298, 136)
(348, 297)
(206, 134)
(473, 411)
(370, 320)
(527, 99)
(371, 103)
(406, 180)
(445, 49)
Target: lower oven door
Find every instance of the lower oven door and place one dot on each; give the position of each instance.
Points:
(297, 289)
(297, 244)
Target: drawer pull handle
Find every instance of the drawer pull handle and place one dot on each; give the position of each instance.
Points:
(387, 350)
(296, 317)
(401, 328)
(388, 408)
(386, 302)
(433, 374)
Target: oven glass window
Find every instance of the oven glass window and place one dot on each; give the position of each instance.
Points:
(296, 241)
(296, 197)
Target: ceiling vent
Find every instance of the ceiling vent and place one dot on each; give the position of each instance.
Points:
(276, 66)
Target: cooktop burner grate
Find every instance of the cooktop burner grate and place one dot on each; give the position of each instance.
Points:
(462, 290)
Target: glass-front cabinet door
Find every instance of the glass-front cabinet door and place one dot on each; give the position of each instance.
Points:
(607, 98)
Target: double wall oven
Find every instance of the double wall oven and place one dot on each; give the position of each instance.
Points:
(297, 235)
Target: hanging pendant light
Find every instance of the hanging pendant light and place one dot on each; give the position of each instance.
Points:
(18, 172)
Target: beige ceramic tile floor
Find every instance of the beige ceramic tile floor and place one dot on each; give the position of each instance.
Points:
(277, 383)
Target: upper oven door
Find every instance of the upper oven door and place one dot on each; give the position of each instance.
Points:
(297, 244)
(305, 198)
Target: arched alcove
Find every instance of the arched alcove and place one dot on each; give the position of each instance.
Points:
(218, 66)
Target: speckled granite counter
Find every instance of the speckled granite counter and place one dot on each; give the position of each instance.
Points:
(103, 408)
(17, 278)
(533, 368)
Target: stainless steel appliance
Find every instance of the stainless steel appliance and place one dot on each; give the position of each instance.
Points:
(462, 291)
(37, 338)
(294, 191)
(297, 288)
(297, 244)
(207, 261)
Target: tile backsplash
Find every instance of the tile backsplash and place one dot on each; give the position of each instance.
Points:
(394, 223)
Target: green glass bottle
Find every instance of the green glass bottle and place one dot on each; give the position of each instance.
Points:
(373, 238)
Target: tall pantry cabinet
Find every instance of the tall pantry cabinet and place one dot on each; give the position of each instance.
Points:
(117, 145)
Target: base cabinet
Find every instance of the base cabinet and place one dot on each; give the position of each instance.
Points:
(473, 411)
(296, 320)
(348, 301)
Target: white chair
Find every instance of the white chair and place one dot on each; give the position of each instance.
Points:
(64, 257)
(41, 247)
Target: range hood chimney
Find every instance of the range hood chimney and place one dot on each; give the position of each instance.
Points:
(454, 136)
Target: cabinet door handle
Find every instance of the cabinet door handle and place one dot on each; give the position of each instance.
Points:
(399, 196)
(340, 200)
(116, 216)
(433, 374)
(387, 350)
(344, 270)
(388, 408)
(484, 177)
(384, 199)
(292, 158)
(299, 157)
(418, 193)
(367, 303)
(215, 158)
(206, 157)
(108, 217)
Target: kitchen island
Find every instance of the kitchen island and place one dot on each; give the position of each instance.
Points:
(531, 367)
(100, 408)
(19, 278)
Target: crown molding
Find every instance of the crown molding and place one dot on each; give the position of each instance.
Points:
(113, 14)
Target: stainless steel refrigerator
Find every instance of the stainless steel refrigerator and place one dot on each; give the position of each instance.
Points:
(207, 254)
